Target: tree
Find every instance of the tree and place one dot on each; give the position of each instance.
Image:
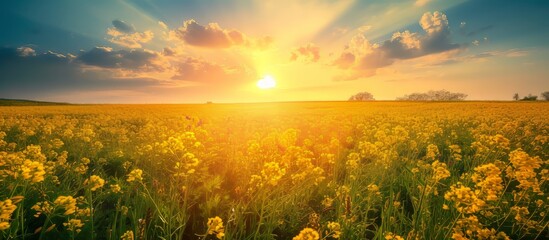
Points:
(545, 95)
(362, 96)
(530, 97)
(440, 95)
(516, 97)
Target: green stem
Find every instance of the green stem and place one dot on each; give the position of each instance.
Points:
(451, 227)
(92, 209)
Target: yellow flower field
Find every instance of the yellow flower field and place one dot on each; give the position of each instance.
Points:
(318, 170)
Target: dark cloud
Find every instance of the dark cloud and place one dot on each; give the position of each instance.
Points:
(364, 58)
(47, 74)
(213, 36)
(195, 69)
(127, 59)
(123, 26)
(307, 53)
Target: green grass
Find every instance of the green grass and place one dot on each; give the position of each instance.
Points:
(22, 102)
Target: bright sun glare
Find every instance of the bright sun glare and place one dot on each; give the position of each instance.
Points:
(266, 82)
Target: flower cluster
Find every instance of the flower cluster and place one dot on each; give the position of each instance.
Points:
(334, 230)
(7, 207)
(307, 234)
(440, 171)
(524, 170)
(464, 198)
(215, 227)
(488, 181)
(135, 175)
(95, 182)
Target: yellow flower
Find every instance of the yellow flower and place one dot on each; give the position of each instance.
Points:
(524, 169)
(374, 189)
(67, 202)
(465, 199)
(135, 175)
(74, 225)
(33, 170)
(334, 229)
(128, 235)
(42, 207)
(488, 181)
(115, 188)
(327, 202)
(392, 236)
(95, 182)
(455, 150)
(272, 173)
(353, 160)
(7, 207)
(215, 226)
(307, 234)
(432, 152)
(440, 171)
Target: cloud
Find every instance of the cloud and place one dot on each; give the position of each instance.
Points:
(125, 35)
(364, 58)
(122, 26)
(450, 57)
(420, 3)
(127, 59)
(163, 25)
(338, 31)
(434, 22)
(199, 70)
(307, 53)
(48, 74)
(213, 36)
(26, 51)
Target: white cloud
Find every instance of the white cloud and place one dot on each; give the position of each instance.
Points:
(434, 22)
(363, 58)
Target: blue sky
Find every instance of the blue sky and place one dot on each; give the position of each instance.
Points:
(144, 51)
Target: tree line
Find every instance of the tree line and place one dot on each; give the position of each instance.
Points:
(440, 95)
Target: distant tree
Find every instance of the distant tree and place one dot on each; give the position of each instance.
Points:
(530, 97)
(362, 96)
(440, 95)
(516, 97)
(545, 95)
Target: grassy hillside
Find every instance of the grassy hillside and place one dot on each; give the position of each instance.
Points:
(22, 102)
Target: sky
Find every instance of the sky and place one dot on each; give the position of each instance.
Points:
(195, 51)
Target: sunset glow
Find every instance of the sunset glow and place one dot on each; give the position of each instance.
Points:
(266, 82)
(274, 119)
(196, 51)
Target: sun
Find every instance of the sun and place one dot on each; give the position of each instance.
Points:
(266, 82)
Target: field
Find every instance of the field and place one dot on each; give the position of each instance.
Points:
(317, 170)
